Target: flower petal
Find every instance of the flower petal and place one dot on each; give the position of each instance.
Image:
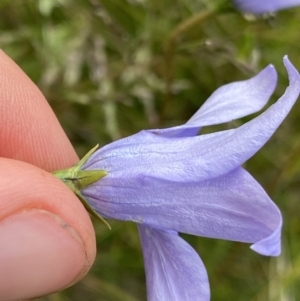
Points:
(174, 271)
(195, 158)
(232, 207)
(165, 182)
(264, 6)
(229, 102)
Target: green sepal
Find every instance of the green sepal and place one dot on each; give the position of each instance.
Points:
(77, 179)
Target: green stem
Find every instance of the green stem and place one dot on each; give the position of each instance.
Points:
(171, 43)
(179, 30)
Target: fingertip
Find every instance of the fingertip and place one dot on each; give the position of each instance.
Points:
(47, 238)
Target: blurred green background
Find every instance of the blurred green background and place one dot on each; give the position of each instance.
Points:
(110, 68)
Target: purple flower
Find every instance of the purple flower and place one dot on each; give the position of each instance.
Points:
(264, 6)
(171, 180)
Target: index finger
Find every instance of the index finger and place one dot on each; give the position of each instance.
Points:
(29, 130)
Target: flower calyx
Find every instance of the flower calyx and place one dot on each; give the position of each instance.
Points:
(77, 179)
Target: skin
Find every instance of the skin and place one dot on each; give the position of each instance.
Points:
(46, 236)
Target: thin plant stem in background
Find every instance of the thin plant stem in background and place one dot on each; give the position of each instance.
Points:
(176, 33)
(171, 43)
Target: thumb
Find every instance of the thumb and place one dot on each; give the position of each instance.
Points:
(46, 237)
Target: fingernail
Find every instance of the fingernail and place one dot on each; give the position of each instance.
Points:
(39, 254)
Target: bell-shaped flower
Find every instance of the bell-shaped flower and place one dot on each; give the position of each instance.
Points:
(171, 180)
(264, 6)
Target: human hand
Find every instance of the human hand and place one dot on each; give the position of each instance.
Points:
(47, 240)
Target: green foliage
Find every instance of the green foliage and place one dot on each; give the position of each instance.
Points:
(110, 68)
